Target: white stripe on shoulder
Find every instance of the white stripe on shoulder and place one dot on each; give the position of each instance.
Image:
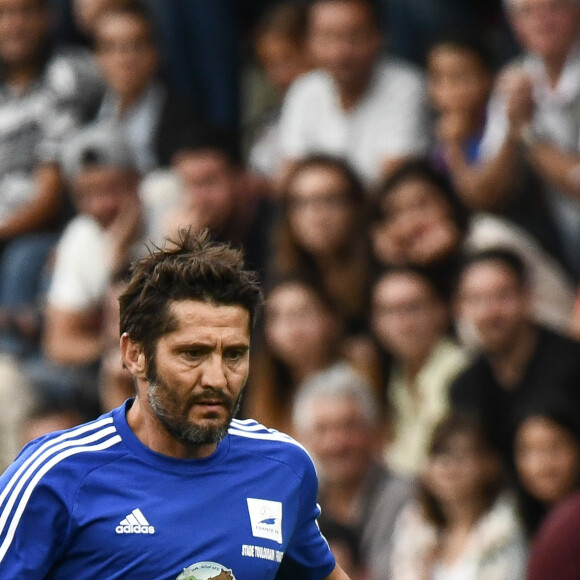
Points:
(39, 475)
(253, 426)
(268, 435)
(245, 422)
(46, 450)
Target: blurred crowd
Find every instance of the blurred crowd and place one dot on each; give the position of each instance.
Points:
(405, 177)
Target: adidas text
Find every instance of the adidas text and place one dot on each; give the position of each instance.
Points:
(134, 529)
(135, 523)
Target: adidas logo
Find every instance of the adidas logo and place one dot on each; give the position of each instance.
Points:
(135, 523)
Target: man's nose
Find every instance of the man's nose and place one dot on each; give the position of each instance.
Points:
(214, 372)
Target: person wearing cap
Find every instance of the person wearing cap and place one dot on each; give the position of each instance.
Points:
(99, 241)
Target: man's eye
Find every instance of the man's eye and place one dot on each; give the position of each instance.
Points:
(235, 355)
(194, 354)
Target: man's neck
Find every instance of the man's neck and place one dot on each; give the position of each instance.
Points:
(554, 67)
(554, 63)
(152, 434)
(351, 93)
(510, 365)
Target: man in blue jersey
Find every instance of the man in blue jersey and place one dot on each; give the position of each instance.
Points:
(169, 486)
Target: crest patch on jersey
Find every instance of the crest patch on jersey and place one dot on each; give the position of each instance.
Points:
(266, 518)
(206, 571)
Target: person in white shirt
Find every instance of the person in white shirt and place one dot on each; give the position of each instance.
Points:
(97, 242)
(536, 110)
(356, 104)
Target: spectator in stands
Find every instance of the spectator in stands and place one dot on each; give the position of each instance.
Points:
(535, 111)
(45, 94)
(463, 524)
(337, 417)
(302, 334)
(100, 240)
(411, 321)
(322, 231)
(357, 105)
(280, 52)
(547, 457)
(419, 220)
(519, 360)
(150, 114)
(459, 79)
(214, 192)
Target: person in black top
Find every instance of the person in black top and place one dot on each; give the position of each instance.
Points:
(519, 360)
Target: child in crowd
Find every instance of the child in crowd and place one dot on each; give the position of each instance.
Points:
(547, 458)
(461, 76)
(460, 79)
(462, 524)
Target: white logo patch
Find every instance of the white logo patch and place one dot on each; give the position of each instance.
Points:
(266, 519)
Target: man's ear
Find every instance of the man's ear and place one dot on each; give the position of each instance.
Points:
(133, 357)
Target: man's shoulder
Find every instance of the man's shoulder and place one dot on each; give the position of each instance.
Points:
(555, 350)
(70, 65)
(550, 339)
(61, 460)
(80, 231)
(391, 488)
(477, 368)
(398, 77)
(474, 379)
(269, 444)
(315, 83)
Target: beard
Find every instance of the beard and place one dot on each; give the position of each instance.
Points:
(173, 413)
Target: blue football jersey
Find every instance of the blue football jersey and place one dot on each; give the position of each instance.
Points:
(94, 502)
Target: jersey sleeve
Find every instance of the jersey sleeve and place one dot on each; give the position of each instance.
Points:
(308, 555)
(33, 520)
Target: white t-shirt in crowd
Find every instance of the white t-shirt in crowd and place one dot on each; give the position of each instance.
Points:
(556, 119)
(81, 270)
(389, 120)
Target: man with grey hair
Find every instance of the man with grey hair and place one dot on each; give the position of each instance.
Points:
(536, 111)
(337, 416)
